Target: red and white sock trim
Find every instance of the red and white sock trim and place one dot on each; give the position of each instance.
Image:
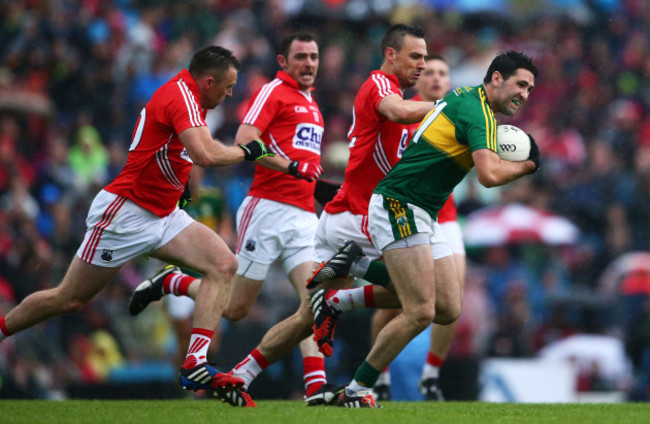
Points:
(197, 353)
(4, 332)
(250, 367)
(314, 374)
(349, 299)
(177, 284)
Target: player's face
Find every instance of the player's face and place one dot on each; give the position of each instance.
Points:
(301, 63)
(409, 60)
(513, 92)
(434, 83)
(215, 90)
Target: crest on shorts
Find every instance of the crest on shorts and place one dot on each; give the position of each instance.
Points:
(250, 245)
(401, 221)
(107, 255)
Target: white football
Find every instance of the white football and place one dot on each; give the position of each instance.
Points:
(512, 143)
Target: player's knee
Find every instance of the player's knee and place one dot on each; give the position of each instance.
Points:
(305, 315)
(448, 314)
(236, 312)
(423, 316)
(227, 266)
(72, 306)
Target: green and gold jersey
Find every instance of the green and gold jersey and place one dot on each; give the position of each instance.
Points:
(440, 153)
(210, 207)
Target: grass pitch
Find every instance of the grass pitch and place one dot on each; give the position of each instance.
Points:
(294, 412)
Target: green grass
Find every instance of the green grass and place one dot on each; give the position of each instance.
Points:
(290, 412)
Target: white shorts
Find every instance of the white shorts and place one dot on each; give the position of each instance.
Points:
(454, 236)
(335, 229)
(269, 230)
(179, 307)
(120, 230)
(397, 222)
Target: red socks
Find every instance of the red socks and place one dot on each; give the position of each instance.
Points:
(177, 283)
(314, 374)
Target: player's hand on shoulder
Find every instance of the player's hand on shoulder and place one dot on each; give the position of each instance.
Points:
(305, 171)
(534, 153)
(255, 150)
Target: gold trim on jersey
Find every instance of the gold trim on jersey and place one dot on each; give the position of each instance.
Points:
(490, 121)
(443, 131)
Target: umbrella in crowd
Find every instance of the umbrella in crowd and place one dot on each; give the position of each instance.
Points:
(587, 350)
(628, 275)
(516, 223)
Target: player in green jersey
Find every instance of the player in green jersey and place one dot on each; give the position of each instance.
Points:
(455, 136)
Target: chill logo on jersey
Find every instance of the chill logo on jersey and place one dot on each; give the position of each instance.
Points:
(308, 137)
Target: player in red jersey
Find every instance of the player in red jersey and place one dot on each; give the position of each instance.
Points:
(433, 85)
(277, 220)
(404, 49)
(137, 214)
(378, 137)
(380, 117)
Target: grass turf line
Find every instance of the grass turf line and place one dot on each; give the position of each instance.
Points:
(294, 412)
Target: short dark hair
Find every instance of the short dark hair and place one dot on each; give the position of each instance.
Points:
(285, 44)
(507, 64)
(434, 57)
(395, 36)
(211, 59)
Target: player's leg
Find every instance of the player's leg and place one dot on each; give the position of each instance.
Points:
(380, 318)
(199, 248)
(167, 280)
(408, 237)
(340, 238)
(317, 390)
(412, 272)
(243, 294)
(294, 231)
(113, 223)
(193, 245)
(277, 342)
(82, 281)
(246, 287)
(442, 336)
(179, 310)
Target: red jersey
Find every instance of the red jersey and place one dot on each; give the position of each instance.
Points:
(448, 211)
(158, 165)
(376, 144)
(292, 127)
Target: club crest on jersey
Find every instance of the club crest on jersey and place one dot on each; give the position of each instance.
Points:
(107, 255)
(186, 156)
(308, 137)
(250, 245)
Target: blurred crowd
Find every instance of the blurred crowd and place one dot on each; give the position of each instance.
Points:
(74, 75)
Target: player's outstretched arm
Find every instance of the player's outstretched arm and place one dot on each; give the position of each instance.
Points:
(302, 170)
(206, 151)
(403, 111)
(247, 132)
(493, 171)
